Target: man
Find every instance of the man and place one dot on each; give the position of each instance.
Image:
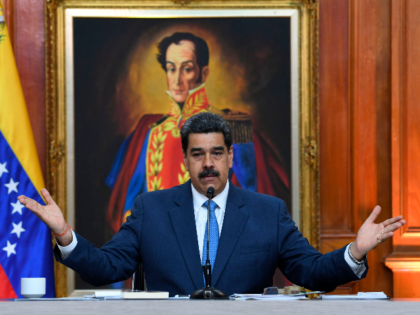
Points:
(166, 231)
(151, 159)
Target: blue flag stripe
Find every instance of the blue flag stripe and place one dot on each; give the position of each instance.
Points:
(25, 241)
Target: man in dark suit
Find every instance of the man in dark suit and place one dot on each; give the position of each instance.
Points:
(166, 231)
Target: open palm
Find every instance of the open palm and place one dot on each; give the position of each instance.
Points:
(50, 214)
(371, 234)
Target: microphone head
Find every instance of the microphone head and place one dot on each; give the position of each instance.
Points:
(210, 192)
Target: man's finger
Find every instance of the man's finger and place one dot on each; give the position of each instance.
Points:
(384, 236)
(47, 197)
(376, 211)
(29, 203)
(32, 205)
(394, 226)
(21, 198)
(24, 200)
(392, 220)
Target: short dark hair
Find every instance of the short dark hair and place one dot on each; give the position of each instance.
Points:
(205, 122)
(201, 49)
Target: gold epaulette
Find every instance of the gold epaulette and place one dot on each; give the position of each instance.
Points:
(158, 122)
(239, 123)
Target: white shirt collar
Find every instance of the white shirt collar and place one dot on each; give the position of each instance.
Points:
(220, 199)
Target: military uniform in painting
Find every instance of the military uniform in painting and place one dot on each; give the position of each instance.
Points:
(151, 157)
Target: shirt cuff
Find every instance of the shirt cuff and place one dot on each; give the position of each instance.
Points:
(66, 250)
(357, 269)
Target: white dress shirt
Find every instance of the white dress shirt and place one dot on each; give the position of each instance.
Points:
(200, 213)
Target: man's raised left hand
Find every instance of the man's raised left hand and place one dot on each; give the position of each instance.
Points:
(371, 234)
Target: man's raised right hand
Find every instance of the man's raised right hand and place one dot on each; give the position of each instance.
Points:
(51, 215)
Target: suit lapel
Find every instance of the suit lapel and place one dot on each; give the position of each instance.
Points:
(236, 216)
(183, 224)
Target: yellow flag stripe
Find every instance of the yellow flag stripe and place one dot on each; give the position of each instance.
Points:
(14, 119)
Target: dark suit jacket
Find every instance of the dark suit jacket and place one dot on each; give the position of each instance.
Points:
(258, 235)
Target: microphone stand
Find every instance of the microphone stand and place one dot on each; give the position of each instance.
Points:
(208, 292)
(207, 266)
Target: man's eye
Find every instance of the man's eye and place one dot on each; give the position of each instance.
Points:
(218, 153)
(188, 70)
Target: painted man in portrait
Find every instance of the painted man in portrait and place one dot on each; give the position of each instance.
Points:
(151, 157)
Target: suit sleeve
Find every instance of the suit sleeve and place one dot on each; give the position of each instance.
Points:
(304, 265)
(116, 260)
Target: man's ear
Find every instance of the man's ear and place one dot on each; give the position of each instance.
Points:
(230, 156)
(205, 73)
(184, 157)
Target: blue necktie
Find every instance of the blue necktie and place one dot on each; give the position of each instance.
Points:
(214, 236)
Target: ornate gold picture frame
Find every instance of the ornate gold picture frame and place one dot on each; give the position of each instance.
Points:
(60, 70)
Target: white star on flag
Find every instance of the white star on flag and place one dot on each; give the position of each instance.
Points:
(17, 207)
(10, 248)
(3, 169)
(12, 186)
(17, 229)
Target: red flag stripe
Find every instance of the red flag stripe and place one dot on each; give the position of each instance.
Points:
(6, 289)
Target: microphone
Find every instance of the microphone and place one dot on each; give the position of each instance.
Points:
(210, 192)
(208, 292)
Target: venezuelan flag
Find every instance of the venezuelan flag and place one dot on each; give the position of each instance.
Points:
(25, 242)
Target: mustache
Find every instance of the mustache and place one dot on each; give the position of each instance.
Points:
(207, 172)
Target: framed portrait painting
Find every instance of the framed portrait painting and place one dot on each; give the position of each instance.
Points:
(123, 77)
